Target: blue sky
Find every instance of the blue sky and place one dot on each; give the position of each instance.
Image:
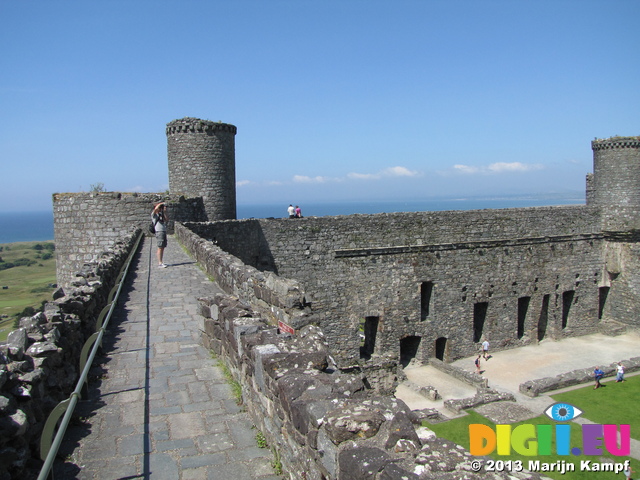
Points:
(333, 100)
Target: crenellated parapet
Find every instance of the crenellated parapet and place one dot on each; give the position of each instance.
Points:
(615, 142)
(195, 125)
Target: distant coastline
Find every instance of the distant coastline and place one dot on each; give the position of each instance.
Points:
(38, 226)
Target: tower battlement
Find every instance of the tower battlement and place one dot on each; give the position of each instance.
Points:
(196, 125)
(615, 142)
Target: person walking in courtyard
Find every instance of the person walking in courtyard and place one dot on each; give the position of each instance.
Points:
(291, 211)
(160, 219)
(598, 374)
(477, 362)
(485, 349)
(620, 372)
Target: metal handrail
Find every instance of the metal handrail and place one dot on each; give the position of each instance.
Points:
(48, 448)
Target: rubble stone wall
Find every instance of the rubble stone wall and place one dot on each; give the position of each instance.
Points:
(39, 363)
(323, 423)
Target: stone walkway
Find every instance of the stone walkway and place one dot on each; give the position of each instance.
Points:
(158, 405)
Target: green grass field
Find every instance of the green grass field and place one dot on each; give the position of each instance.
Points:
(28, 282)
(613, 404)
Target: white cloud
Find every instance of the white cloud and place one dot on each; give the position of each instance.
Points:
(387, 172)
(306, 179)
(498, 167)
(465, 169)
(400, 172)
(363, 176)
(397, 171)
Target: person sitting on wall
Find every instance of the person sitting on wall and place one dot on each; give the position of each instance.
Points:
(291, 211)
(160, 218)
(298, 212)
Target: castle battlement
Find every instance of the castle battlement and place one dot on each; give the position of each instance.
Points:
(196, 125)
(615, 142)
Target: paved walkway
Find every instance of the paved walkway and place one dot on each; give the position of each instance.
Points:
(159, 407)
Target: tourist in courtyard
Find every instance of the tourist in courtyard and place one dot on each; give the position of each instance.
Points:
(160, 218)
(477, 362)
(598, 374)
(485, 349)
(291, 211)
(620, 372)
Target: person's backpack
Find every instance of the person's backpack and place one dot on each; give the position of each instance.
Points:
(152, 226)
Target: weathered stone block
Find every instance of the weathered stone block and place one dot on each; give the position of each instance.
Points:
(362, 463)
(401, 427)
(353, 422)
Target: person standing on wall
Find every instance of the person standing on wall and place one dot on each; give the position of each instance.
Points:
(160, 219)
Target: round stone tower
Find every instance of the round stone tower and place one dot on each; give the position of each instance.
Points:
(616, 172)
(202, 163)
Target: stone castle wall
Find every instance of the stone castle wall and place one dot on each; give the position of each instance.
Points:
(86, 224)
(513, 276)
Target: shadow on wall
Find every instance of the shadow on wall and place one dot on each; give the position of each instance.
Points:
(243, 239)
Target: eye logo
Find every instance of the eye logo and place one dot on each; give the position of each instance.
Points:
(562, 412)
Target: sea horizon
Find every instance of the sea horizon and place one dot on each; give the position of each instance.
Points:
(37, 226)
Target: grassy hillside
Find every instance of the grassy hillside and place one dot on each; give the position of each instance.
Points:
(28, 271)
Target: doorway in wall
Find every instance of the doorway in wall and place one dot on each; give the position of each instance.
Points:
(567, 301)
(523, 308)
(479, 317)
(426, 290)
(603, 293)
(544, 318)
(370, 331)
(441, 348)
(408, 349)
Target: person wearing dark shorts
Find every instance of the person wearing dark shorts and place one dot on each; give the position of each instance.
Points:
(160, 219)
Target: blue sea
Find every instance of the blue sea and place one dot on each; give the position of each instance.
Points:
(26, 226)
(423, 205)
(38, 226)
